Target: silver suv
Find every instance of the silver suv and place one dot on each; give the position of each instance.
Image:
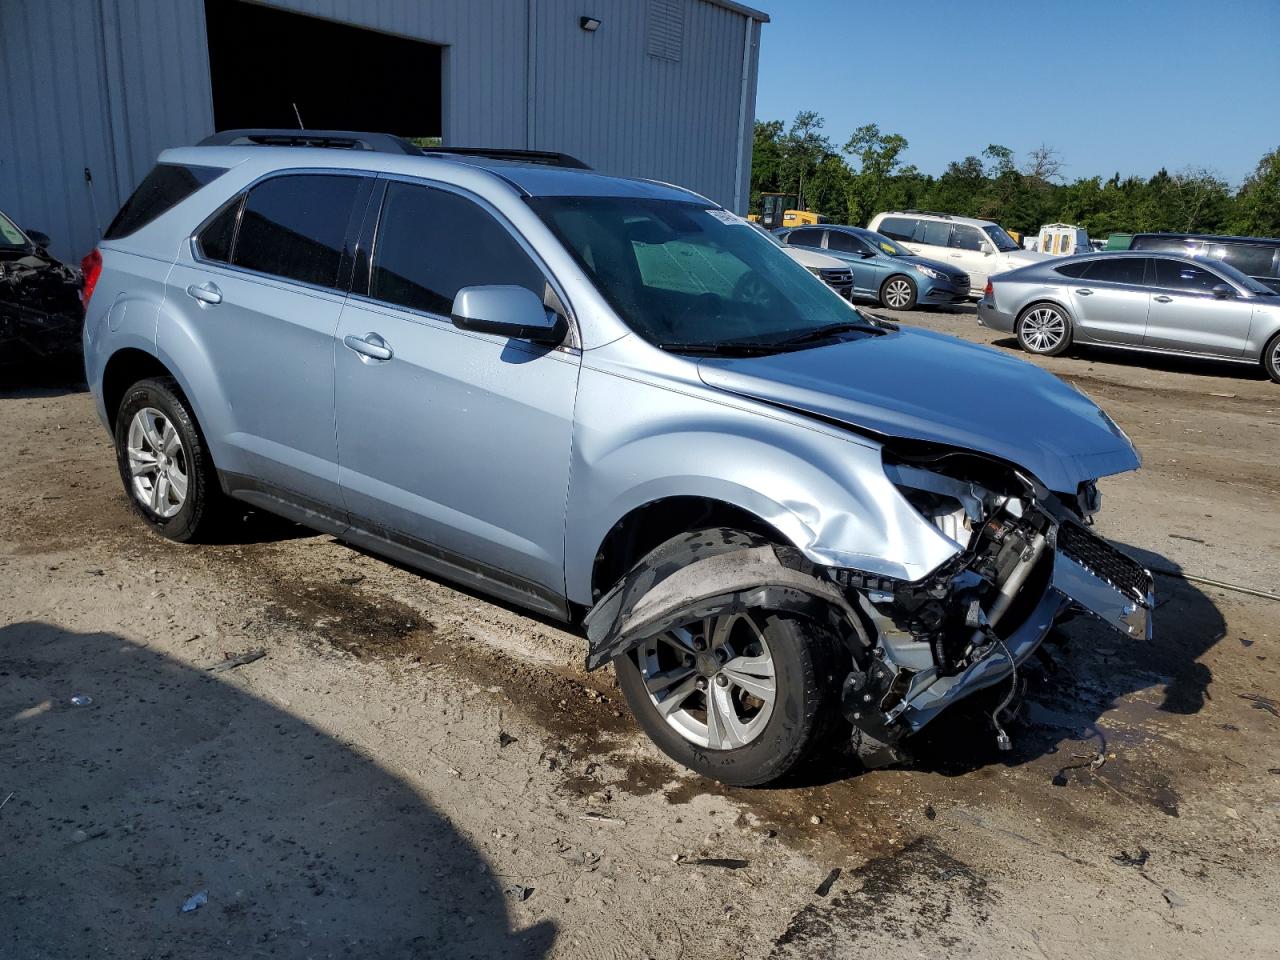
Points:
(612, 402)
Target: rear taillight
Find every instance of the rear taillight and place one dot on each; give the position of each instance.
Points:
(989, 291)
(91, 268)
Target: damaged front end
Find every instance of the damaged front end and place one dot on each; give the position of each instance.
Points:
(1023, 557)
(40, 311)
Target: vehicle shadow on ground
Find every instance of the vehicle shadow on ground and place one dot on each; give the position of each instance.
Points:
(174, 781)
(1161, 362)
(1088, 670)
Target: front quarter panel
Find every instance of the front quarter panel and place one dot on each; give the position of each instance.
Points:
(644, 436)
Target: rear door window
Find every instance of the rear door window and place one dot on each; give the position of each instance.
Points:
(897, 228)
(1185, 277)
(1130, 270)
(295, 227)
(936, 233)
(805, 238)
(167, 185)
(431, 243)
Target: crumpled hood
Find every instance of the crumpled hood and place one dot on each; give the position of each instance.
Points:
(915, 384)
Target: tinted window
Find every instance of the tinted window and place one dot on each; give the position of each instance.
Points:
(936, 233)
(166, 185)
(845, 242)
(431, 243)
(1117, 270)
(897, 228)
(966, 238)
(218, 234)
(1073, 269)
(1187, 277)
(295, 227)
(1251, 259)
(805, 238)
(1165, 244)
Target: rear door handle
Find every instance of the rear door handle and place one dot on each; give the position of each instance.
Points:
(1084, 292)
(1163, 299)
(206, 292)
(370, 345)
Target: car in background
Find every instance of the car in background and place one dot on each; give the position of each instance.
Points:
(978, 247)
(40, 309)
(882, 270)
(1163, 303)
(1257, 257)
(832, 271)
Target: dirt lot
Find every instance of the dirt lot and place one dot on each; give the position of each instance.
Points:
(413, 771)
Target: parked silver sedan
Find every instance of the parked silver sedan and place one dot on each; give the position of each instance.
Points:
(1153, 302)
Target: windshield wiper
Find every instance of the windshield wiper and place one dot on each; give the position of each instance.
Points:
(826, 333)
(726, 349)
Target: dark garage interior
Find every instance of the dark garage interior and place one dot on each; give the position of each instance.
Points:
(263, 62)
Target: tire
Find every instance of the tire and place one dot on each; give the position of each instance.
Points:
(809, 664)
(1044, 329)
(898, 292)
(155, 410)
(1271, 358)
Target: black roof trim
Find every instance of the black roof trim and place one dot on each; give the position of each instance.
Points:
(336, 139)
(546, 157)
(1216, 237)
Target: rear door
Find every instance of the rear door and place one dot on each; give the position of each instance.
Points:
(932, 239)
(453, 444)
(1186, 316)
(1110, 301)
(261, 289)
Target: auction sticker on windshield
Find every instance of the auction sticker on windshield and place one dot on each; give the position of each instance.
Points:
(724, 216)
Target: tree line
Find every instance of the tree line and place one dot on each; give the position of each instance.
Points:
(866, 175)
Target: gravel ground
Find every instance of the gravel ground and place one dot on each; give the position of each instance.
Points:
(413, 771)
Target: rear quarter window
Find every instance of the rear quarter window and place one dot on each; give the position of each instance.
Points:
(167, 185)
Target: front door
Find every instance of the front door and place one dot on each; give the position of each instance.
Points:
(1187, 316)
(968, 251)
(453, 444)
(865, 264)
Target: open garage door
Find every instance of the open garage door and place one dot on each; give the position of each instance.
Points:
(269, 66)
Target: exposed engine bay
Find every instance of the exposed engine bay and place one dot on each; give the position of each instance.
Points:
(40, 310)
(1024, 558)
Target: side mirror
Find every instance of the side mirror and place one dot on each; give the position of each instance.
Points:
(987, 249)
(41, 240)
(867, 254)
(507, 311)
(1222, 291)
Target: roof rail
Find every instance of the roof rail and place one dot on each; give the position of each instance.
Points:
(337, 139)
(930, 213)
(546, 157)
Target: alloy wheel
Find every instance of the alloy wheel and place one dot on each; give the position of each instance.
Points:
(712, 681)
(157, 462)
(897, 294)
(1043, 329)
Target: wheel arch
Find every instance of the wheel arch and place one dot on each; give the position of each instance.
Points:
(123, 369)
(1044, 301)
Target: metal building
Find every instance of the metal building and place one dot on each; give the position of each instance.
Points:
(92, 90)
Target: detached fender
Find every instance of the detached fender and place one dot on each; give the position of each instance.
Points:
(713, 572)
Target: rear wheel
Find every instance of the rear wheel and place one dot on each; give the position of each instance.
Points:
(166, 469)
(898, 293)
(740, 697)
(1044, 329)
(1271, 358)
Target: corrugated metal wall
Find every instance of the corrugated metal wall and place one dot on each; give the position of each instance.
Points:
(108, 84)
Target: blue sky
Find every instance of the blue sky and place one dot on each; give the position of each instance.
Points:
(1114, 85)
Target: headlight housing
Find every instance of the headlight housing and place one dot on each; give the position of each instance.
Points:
(929, 272)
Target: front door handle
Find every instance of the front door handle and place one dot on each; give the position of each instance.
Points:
(1084, 292)
(206, 292)
(1163, 299)
(370, 345)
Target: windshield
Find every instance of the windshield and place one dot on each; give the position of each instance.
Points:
(884, 245)
(1256, 287)
(1004, 243)
(684, 276)
(10, 235)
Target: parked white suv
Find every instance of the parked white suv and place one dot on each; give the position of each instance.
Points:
(978, 247)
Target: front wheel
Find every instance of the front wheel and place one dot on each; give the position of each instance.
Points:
(741, 698)
(1271, 358)
(898, 293)
(1044, 329)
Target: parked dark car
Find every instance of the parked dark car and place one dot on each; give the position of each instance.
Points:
(40, 310)
(1257, 257)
